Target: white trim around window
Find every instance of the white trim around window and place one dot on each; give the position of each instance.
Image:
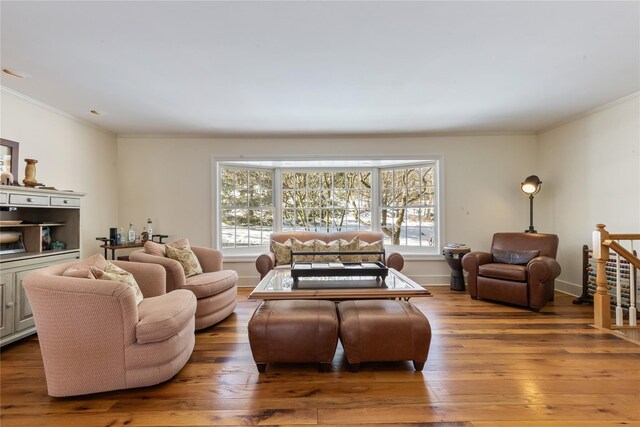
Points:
(281, 165)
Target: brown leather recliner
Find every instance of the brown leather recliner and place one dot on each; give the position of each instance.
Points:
(521, 269)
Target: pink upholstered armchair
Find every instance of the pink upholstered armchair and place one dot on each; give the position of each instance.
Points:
(216, 289)
(94, 337)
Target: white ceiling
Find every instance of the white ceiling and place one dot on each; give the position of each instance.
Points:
(322, 67)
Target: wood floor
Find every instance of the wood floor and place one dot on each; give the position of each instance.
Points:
(490, 365)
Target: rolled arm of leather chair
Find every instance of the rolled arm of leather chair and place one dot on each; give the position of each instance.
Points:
(265, 263)
(395, 260)
(210, 259)
(174, 271)
(542, 273)
(543, 268)
(471, 262)
(151, 278)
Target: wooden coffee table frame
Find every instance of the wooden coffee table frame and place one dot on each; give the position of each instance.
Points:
(337, 288)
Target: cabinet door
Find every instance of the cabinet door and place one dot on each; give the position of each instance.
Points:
(7, 304)
(23, 313)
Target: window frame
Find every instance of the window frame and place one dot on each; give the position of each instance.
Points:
(437, 206)
(409, 252)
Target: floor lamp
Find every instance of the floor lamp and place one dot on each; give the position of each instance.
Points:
(531, 186)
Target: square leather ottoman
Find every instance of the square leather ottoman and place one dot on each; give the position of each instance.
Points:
(383, 331)
(294, 331)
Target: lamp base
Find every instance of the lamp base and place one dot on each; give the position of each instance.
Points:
(530, 230)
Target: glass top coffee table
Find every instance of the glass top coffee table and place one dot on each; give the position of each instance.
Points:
(278, 284)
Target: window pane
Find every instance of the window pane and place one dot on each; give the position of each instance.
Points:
(388, 219)
(267, 226)
(428, 227)
(428, 197)
(410, 221)
(249, 191)
(288, 180)
(313, 180)
(365, 180)
(254, 227)
(327, 179)
(413, 196)
(288, 198)
(288, 219)
(387, 179)
(267, 198)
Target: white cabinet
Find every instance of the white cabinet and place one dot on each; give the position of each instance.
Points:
(33, 214)
(6, 310)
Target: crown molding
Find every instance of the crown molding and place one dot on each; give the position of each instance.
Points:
(589, 112)
(292, 135)
(56, 110)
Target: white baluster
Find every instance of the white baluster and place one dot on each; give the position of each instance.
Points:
(619, 312)
(633, 312)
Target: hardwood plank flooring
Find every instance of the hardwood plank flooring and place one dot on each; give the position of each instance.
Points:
(490, 365)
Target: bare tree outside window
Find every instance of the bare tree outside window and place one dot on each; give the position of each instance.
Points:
(327, 201)
(246, 202)
(407, 200)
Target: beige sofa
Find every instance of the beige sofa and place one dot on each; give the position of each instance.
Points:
(93, 337)
(216, 289)
(266, 261)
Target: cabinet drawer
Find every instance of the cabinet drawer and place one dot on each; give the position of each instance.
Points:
(23, 199)
(4, 198)
(65, 201)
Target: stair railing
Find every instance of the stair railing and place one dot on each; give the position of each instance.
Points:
(603, 241)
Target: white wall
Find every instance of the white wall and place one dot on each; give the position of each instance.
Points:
(71, 155)
(169, 179)
(590, 169)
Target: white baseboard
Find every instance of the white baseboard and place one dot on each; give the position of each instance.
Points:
(431, 279)
(248, 281)
(568, 288)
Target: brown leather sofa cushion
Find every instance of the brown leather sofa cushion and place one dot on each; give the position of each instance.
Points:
(504, 271)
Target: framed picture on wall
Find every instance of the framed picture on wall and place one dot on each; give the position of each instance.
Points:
(9, 157)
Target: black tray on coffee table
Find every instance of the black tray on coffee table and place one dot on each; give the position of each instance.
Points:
(338, 269)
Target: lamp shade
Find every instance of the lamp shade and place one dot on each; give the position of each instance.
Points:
(531, 185)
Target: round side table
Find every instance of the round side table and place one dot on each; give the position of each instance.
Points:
(453, 254)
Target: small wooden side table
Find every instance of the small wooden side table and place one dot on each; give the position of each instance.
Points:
(453, 254)
(108, 245)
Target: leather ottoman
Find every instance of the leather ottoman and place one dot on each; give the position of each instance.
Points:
(383, 331)
(294, 331)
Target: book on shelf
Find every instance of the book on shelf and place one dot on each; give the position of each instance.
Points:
(336, 265)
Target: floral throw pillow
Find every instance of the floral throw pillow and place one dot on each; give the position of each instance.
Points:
(353, 245)
(186, 258)
(371, 247)
(298, 246)
(321, 246)
(282, 252)
(114, 273)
